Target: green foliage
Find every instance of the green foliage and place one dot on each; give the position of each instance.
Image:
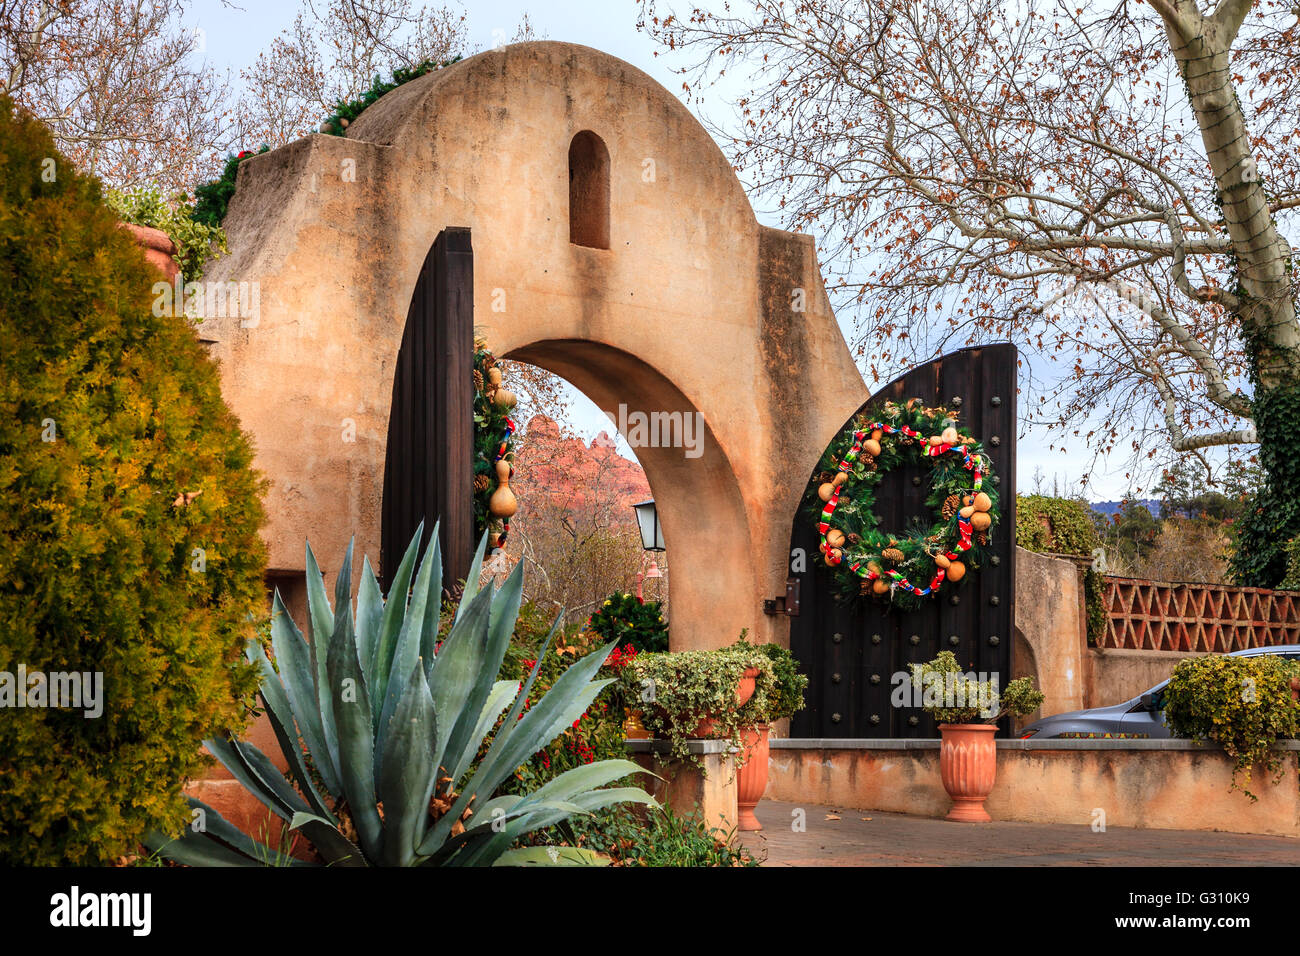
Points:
(855, 514)
(196, 242)
(1292, 580)
(1271, 516)
(1242, 703)
(1094, 597)
(393, 721)
(1072, 529)
(950, 696)
(346, 111)
(786, 697)
(213, 198)
(678, 690)
(656, 838)
(107, 414)
(626, 620)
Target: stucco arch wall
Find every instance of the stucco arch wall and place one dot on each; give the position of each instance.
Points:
(691, 307)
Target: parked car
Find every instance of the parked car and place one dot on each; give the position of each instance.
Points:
(1140, 717)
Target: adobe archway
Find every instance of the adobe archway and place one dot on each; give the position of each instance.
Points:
(693, 307)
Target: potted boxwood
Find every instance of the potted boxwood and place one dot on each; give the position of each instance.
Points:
(784, 701)
(967, 711)
(692, 694)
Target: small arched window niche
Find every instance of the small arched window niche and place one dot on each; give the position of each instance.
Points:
(589, 191)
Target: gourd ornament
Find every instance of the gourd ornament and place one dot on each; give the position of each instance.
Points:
(503, 503)
(505, 398)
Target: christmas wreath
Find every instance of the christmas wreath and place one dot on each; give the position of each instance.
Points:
(902, 568)
(494, 502)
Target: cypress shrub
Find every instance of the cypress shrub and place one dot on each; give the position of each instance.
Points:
(108, 415)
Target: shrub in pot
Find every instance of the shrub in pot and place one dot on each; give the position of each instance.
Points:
(1244, 704)
(967, 711)
(784, 701)
(693, 694)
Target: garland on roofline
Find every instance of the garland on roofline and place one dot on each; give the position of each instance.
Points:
(908, 567)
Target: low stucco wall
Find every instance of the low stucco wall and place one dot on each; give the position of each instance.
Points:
(1161, 784)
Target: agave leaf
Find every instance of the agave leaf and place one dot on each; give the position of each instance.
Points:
(227, 753)
(521, 737)
(280, 714)
(433, 604)
(407, 781)
(370, 614)
(579, 780)
(459, 667)
(391, 624)
(409, 641)
(464, 740)
(472, 581)
(270, 775)
(320, 645)
(294, 658)
(502, 693)
(488, 844)
(552, 856)
(355, 732)
(219, 843)
(337, 849)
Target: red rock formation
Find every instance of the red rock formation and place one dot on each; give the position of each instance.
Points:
(570, 474)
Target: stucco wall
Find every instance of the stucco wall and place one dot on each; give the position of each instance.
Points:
(1051, 637)
(695, 307)
(1177, 785)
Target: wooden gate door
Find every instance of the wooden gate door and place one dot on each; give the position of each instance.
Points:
(851, 653)
(428, 472)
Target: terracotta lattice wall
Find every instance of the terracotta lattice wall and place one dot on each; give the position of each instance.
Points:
(1204, 618)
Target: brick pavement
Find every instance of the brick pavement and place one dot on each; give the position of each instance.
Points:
(866, 838)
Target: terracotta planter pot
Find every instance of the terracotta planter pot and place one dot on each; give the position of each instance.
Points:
(158, 248)
(968, 761)
(751, 778)
(744, 690)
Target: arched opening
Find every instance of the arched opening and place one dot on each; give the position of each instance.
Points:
(589, 191)
(693, 483)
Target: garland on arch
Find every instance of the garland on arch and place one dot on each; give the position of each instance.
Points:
(903, 567)
(494, 501)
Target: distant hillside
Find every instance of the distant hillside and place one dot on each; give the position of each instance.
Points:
(1109, 508)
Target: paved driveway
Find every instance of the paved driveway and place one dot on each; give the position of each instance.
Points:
(865, 838)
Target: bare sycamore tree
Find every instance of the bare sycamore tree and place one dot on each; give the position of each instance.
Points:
(1105, 182)
(334, 51)
(121, 83)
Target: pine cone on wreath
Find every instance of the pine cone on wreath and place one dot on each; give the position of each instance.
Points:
(478, 380)
(868, 461)
(981, 539)
(481, 482)
(892, 555)
(854, 540)
(951, 505)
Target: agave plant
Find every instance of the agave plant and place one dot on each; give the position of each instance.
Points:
(382, 728)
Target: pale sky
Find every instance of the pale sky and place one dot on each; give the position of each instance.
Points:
(235, 32)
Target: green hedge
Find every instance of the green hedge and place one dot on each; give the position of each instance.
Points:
(1073, 531)
(108, 413)
(1242, 703)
